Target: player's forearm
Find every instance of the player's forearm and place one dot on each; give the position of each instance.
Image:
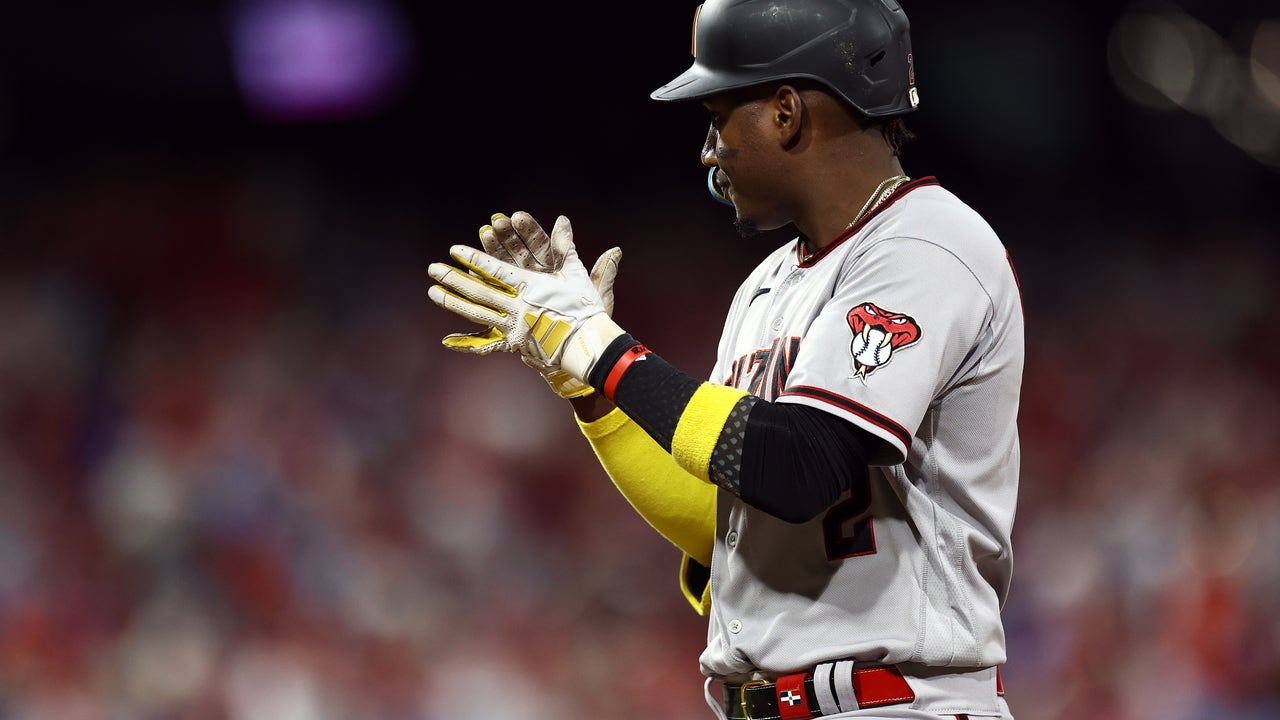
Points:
(678, 505)
(787, 460)
(592, 407)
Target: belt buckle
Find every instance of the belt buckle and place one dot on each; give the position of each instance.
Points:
(742, 696)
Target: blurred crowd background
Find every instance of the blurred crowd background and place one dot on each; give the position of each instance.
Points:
(240, 478)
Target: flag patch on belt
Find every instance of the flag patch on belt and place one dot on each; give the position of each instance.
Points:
(792, 703)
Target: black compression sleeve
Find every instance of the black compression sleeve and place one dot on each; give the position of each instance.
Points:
(652, 392)
(797, 460)
(791, 461)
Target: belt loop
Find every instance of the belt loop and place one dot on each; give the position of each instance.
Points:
(844, 686)
(822, 689)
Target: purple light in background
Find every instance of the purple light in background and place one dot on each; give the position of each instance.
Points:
(317, 59)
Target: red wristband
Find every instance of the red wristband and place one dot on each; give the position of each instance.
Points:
(630, 355)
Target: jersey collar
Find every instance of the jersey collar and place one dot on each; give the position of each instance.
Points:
(853, 229)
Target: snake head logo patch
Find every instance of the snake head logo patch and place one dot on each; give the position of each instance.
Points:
(877, 334)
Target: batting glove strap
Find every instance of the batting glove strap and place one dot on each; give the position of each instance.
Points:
(562, 383)
(589, 342)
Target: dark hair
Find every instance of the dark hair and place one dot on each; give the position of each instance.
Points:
(894, 128)
(895, 133)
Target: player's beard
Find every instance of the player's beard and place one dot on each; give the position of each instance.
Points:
(746, 228)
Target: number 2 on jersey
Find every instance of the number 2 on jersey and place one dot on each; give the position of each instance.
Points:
(846, 533)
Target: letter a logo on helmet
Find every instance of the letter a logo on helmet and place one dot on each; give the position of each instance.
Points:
(860, 49)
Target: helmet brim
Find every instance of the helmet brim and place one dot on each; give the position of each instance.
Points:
(698, 83)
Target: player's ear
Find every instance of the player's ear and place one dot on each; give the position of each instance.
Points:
(788, 111)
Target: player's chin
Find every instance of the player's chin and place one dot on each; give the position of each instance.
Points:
(751, 224)
(746, 227)
(746, 221)
(751, 221)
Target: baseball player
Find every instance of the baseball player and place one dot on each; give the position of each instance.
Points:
(843, 486)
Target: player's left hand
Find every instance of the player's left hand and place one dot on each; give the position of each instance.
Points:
(521, 241)
(531, 313)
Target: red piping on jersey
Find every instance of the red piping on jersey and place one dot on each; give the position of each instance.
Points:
(1021, 305)
(853, 230)
(854, 407)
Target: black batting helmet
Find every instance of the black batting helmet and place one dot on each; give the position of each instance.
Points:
(861, 49)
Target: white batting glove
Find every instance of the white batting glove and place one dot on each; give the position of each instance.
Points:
(521, 241)
(554, 320)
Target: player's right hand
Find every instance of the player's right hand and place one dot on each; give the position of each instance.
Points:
(536, 314)
(521, 241)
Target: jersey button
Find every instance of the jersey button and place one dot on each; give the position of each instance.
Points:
(732, 539)
(777, 324)
(735, 626)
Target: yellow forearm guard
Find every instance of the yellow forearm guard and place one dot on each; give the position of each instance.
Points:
(700, 426)
(677, 504)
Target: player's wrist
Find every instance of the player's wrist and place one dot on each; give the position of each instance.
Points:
(588, 343)
(613, 363)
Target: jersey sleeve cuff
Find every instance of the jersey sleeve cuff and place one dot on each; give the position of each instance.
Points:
(896, 438)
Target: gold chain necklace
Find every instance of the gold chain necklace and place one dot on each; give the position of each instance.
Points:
(882, 191)
(878, 196)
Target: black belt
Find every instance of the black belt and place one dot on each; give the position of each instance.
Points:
(793, 696)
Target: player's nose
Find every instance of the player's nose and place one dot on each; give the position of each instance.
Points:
(709, 147)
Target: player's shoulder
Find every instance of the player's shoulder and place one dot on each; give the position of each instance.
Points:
(940, 222)
(934, 212)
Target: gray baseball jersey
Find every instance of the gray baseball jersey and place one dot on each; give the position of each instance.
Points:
(910, 327)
